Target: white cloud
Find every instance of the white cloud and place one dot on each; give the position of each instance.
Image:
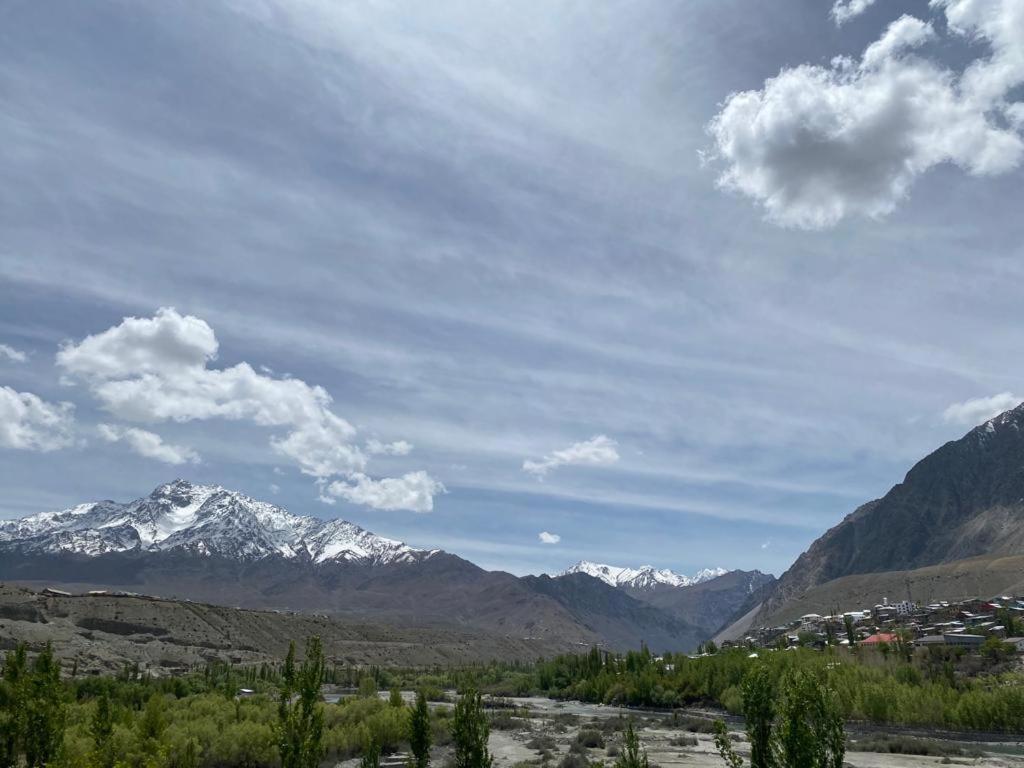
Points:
(275, 488)
(397, 448)
(148, 444)
(414, 491)
(29, 423)
(980, 409)
(157, 369)
(548, 538)
(819, 143)
(598, 451)
(12, 354)
(844, 10)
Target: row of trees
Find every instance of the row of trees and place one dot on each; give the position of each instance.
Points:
(933, 687)
(131, 721)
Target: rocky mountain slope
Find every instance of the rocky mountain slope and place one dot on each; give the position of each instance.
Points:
(964, 503)
(101, 632)
(712, 603)
(206, 543)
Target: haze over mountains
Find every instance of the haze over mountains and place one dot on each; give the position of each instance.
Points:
(209, 543)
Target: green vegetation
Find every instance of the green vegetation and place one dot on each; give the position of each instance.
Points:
(937, 686)
(419, 732)
(470, 731)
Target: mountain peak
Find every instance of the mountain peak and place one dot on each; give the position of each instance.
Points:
(644, 577)
(204, 520)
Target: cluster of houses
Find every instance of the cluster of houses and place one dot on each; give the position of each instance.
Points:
(962, 624)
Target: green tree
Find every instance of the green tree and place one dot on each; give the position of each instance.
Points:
(395, 697)
(12, 705)
(371, 755)
(759, 712)
(724, 746)
(632, 755)
(367, 687)
(419, 731)
(45, 712)
(851, 635)
(152, 723)
(300, 713)
(470, 731)
(101, 728)
(810, 725)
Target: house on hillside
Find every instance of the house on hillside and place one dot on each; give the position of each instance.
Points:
(880, 637)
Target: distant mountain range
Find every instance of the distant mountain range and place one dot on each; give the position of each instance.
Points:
(216, 545)
(953, 528)
(644, 577)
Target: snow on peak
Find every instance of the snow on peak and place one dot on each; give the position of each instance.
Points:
(206, 520)
(644, 577)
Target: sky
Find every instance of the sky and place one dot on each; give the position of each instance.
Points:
(662, 282)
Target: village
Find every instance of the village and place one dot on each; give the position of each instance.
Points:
(995, 625)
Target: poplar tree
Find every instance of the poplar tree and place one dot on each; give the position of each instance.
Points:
(419, 731)
(101, 728)
(470, 731)
(300, 713)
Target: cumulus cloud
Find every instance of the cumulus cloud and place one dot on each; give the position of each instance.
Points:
(148, 444)
(397, 448)
(817, 144)
(980, 409)
(413, 491)
(12, 354)
(157, 369)
(29, 423)
(548, 538)
(599, 450)
(844, 10)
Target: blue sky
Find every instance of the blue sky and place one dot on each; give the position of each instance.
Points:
(497, 233)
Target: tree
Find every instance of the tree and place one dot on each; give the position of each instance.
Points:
(45, 713)
(367, 687)
(300, 714)
(810, 727)
(371, 755)
(101, 728)
(851, 635)
(395, 697)
(12, 705)
(759, 712)
(470, 731)
(804, 730)
(632, 755)
(152, 723)
(419, 731)
(724, 746)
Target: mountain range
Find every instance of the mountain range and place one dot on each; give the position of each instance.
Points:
(952, 529)
(219, 546)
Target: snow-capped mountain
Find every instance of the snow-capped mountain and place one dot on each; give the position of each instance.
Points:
(644, 577)
(205, 520)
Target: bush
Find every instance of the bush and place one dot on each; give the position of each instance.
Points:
(684, 741)
(574, 760)
(590, 739)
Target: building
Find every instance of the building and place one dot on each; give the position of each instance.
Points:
(1016, 642)
(963, 640)
(880, 637)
